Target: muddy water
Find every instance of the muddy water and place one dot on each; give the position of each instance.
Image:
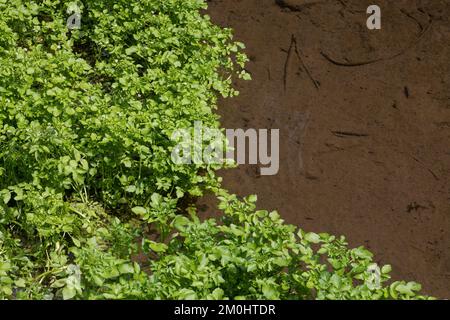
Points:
(364, 119)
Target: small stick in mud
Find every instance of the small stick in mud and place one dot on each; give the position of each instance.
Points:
(297, 51)
(293, 47)
(296, 7)
(345, 134)
(286, 63)
(363, 63)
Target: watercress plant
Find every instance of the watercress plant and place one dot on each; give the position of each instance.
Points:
(91, 205)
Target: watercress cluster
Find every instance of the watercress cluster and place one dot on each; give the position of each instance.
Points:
(91, 205)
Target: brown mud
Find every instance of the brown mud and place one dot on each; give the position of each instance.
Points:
(364, 119)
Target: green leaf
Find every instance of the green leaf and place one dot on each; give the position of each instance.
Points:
(139, 210)
(180, 222)
(270, 292)
(218, 294)
(362, 252)
(98, 280)
(282, 262)
(20, 283)
(274, 216)
(312, 237)
(187, 294)
(76, 242)
(6, 196)
(7, 290)
(131, 189)
(69, 293)
(131, 50)
(158, 247)
(126, 268)
(156, 200)
(386, 269)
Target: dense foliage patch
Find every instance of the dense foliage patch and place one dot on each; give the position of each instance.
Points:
(91, 205)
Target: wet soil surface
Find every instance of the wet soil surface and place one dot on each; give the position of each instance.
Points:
(364, 119)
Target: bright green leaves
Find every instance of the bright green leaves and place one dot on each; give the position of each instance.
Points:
(72, 284)
(160, 209)
(386, 269)
(126, 268)
(91, 91)
(129, 51)
(181, 223)
(87, 183)
(75, 168)
(85, 116)
(252, 254)
(241, 254)
(312, 237)
(68, 292)
(401, 289)
(186, 294)
(6, 196)
(5, 281)
(157, 247)
(139, 211)
(217, 294)
(270, 291)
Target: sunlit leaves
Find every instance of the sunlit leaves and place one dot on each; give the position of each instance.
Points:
(87, 186)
